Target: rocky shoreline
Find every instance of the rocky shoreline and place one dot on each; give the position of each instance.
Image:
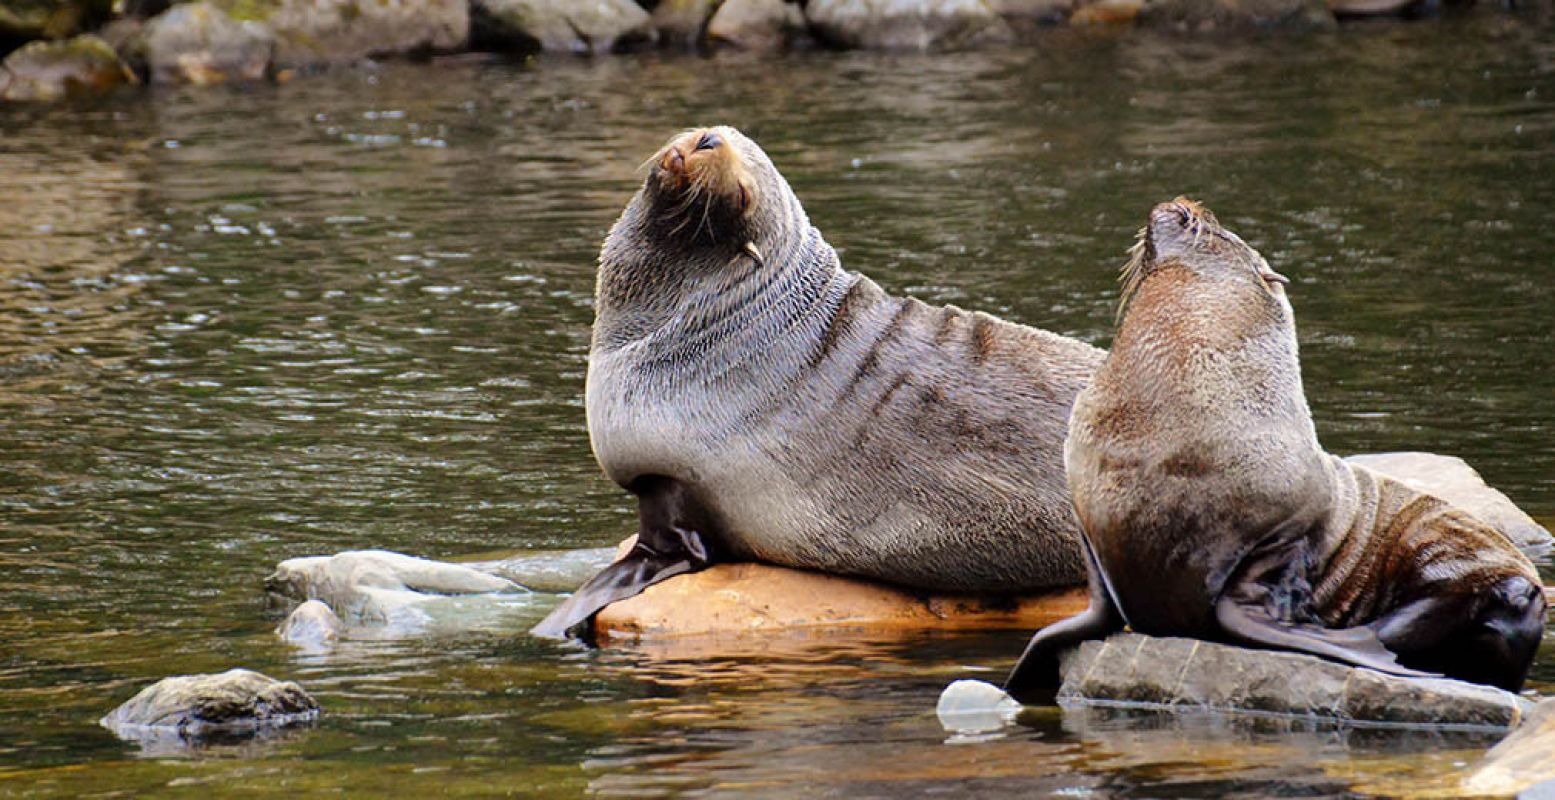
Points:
(63, 48)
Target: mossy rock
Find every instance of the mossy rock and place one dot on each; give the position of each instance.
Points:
(50, 19)
(45, 71)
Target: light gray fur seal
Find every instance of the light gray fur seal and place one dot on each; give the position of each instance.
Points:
(764, 404)
(1211, 511)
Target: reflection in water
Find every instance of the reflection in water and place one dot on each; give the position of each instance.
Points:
(244, 324)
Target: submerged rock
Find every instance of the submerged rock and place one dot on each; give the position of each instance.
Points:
(907, 24)
(590, 27)
(549, 571)
(312, 625)
(44, 71)
(1203, 16)
(198, 43)
(50, 19)
(759, 25)
(1522, 764)
(1453, 480)
(237, 702)
(1130, 668)
(378, 587)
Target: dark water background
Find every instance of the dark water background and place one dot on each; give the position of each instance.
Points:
(239, 325)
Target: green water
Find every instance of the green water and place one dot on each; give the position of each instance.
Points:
(243, 324)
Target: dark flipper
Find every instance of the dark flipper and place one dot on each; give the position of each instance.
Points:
(670, 541)
(1035, 679)
(1251, 624)
(1488, 637)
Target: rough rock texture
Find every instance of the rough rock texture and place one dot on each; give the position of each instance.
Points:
(590, 27)
(322, 32)
(198, 43)
(50, 19)
(1203, 16)
(237, 701)
(1522, 762)
(679, 23)
(376, 586)
(907, 24)
(51, 70)
(1028, 13)
(1453, 480)
(312, 625)
(1135, 669)
(756, 24)
(1107, 12)
(757, 598)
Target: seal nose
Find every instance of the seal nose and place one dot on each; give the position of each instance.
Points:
(674, 161)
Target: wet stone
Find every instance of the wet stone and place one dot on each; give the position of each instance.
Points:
(45, 71)
(234, 703)
(1523, 763)
(907, 24)
(759, 25)
(312, 625)
(561, 26)
(1130, 669)
(198, 43)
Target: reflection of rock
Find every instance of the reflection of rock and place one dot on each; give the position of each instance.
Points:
(757, 598)
(51, 70)
(234, 703)
(1453, 480)
(1208, 15)
(312, 624)
(594, 27)
(379, 587)
(1523, 762)
(198, 43)
(314, 32)
(1130, 668)
(49, 19)
(907, 24)
(756, 24)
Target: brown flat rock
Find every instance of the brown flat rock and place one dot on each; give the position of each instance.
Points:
(737, 599)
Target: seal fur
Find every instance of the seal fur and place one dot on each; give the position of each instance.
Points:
(1210, 510)
(765, 404)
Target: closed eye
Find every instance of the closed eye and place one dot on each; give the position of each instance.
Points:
(709, 141)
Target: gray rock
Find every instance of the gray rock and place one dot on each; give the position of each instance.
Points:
(1029, 13)
(907, 24)
(45, 71)
(760, 25)
(233, 703)
(1203, 16)
(198, 43)
(50, 19)
(324, 32)
(1453, 480)
(1130, 669)
(1523, 763)
(589, 27)
(679, 23)
(311, 625)
(390, 590)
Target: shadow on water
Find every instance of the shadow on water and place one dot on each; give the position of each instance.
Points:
(245, 324)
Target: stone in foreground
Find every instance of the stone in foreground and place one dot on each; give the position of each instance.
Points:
(233, 703)
(1522, 762)
(735, 599)
(1146, 671)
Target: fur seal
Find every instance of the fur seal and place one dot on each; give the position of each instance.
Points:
(1211, 511)
(764, 404)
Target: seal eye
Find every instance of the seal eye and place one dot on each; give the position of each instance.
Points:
(709, 141)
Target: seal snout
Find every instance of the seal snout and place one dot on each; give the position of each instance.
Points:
(701, 170)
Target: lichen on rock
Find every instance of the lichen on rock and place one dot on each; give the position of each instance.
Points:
(191, 707)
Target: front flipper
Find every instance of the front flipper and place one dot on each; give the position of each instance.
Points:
(672, 539)
(1035, 679)
(1251, 624)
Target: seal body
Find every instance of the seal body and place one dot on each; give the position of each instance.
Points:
(1210, 510)
(765, 404)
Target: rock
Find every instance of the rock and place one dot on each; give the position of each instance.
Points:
(1522, 764)
(237, 702)
(760, 25)
(738, 599)
(555, 571)
(975, 707)
(1453, 480)
(679, 23)
(1107, 12)
(198, 43)
(311, 625)
(590, 27)
(1154, 672)
(52, 70)
(1023, 14)
(324, 32)
(907, 24)
(50, 19)
(1203, 16)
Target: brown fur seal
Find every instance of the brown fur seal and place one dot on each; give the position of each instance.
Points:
(1211, 511)
(764, 404)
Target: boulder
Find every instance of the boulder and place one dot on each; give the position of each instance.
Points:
(679, 23)
(744, 599)
(323, 32)
(46, 71)
(1145, 671)
(237, 702)
(1453, 480)
(907, 24)
(377, 587)
(312, 625)
(50, 19)
(588, 27)
(1204, 16)
(1522, 764)
(198, 43)
(760, 25)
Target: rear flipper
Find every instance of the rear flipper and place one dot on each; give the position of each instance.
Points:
(1251, 624)
(1035, 679)
(670, 541)
(1487, 637)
